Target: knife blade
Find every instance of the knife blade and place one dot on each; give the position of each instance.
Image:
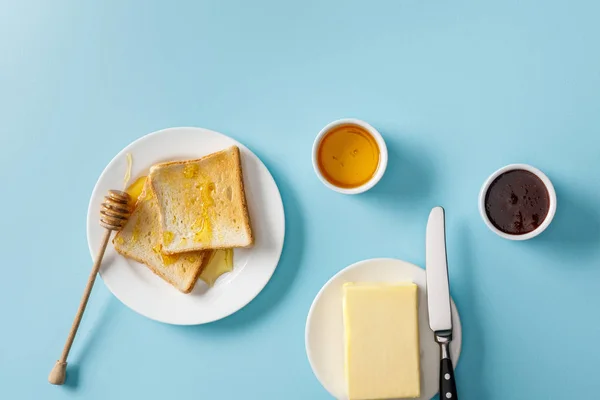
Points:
(438, 291)
(438, 298)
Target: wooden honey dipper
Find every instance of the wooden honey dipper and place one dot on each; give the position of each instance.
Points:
(114, 213)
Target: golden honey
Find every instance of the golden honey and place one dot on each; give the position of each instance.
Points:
(167, 259)
(135, 189)
(127, 176)
(191, 170)
(202, 225)
(221, 262)
(348, 156)
(167, 237)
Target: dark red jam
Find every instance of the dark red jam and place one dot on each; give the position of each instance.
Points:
(517, 202)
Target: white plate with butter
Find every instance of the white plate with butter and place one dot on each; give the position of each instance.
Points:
(324, 336)
(142, 291)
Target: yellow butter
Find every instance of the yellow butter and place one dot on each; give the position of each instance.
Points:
(381, 341)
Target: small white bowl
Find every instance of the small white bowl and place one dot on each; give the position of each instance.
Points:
(383, 155)
(551, 196)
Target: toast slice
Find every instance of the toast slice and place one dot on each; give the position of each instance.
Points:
(141, 240)
(202, 203)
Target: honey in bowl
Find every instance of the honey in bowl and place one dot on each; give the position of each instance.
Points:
(348, 156)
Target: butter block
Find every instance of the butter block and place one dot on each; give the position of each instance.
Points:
(381, 323)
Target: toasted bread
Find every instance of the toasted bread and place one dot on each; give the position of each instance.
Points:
(202, 203)
(141, 240)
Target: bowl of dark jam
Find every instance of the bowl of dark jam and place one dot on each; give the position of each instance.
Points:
(517, 202)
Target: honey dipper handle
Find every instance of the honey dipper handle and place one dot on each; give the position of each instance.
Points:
(58, 373)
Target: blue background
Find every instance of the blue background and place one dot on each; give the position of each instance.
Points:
(457, 88)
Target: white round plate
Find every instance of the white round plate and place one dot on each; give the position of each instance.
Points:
(142, 291)
(324, 337)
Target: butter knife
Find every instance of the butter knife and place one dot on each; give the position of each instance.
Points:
(438, 298)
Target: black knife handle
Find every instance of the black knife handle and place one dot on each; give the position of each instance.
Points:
(447, 382)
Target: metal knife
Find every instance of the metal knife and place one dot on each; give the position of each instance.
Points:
(438, 298)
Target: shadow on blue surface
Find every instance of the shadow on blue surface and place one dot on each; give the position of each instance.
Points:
(91, 343)
(574, 234)
(72, 380)
(473, 350)
(410, 174)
